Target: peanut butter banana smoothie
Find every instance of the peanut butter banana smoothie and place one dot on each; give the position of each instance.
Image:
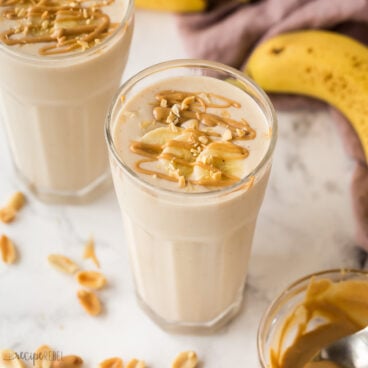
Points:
(191, 145)
(61, 62)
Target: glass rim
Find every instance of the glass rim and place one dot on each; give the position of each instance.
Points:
(278, 299)
(75, 55)
(191, 63)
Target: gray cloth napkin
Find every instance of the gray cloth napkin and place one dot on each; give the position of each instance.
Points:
(229, 31)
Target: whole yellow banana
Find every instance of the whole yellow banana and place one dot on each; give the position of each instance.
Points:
(172, 5)
(322, 64)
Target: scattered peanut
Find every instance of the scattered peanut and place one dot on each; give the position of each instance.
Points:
(62, 263)
(16, 201)
(91, 279)
(89, 302)
(186, 359)
(69, 361)
(135, 363)
(9, 359)
(9, 211)
(7, 214)
(111, 363)
(43, 357)
(89, 252)
(7, 249)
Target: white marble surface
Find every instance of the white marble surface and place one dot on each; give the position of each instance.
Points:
(305, 225)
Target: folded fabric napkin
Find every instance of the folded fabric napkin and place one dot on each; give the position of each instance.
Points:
(229, 31)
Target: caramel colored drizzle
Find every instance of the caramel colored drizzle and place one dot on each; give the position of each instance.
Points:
(66, 25)
(139, 168)
(341, 308)
(174, 108)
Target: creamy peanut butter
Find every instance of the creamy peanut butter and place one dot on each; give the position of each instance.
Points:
(329, 311)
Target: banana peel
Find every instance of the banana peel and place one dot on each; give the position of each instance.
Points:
(321, 64)
(172, 5)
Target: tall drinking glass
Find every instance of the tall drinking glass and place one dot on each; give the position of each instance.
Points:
(189, 249)
(53, 102)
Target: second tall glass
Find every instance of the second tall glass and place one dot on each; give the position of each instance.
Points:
(53, 106)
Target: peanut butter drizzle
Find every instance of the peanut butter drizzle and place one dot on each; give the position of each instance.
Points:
(138, 167)
(67, 25)
(177, 97)
(174, 108)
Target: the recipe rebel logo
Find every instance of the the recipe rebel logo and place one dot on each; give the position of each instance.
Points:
(32, 356)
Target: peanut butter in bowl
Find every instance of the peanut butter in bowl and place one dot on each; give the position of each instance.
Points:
(311, 314)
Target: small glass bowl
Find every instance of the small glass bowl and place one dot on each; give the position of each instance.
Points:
(276, 314)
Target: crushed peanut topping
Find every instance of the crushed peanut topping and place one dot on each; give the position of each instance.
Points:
(64, 25)
(163, 103)
(227, 135)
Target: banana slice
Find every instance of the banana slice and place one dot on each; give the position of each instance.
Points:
(160, 136)
(188, 153)
(178, 155)
(220, 161)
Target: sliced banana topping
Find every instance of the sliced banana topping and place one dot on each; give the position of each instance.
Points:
(220, 161)
(58, 26)
(161, 135)
(191, 146)
(179, 154)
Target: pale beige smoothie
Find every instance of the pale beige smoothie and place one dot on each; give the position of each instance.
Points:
(190, 173)
(60, 64)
